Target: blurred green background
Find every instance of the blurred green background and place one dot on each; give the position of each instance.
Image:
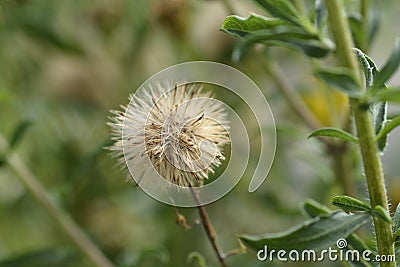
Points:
(65, 63)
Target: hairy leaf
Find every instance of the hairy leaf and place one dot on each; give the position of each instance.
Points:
(390, 126)
(241, 27)
(378, 110)
(317, 233)
(288, 36)
(274, 31)
(368, 69)
(350, 204)
(315, 209)
(357, 29)
(285, 10)
(334, 132)
(342, 79)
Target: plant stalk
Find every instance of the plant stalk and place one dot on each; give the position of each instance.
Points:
(364, 10)
(209, 229)
(366, 134)
(67, 224)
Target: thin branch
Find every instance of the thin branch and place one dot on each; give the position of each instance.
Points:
(67, 224)
(209, 229)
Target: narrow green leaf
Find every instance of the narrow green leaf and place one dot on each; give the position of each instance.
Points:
(334, 132)
(347, 203)
(317, 233)
(241, 27)
(365, 63)
(396, 220)
(19, 132)
(357, 29)
(381, 213)
(274, 31)
(378, 110)
(285, 10)
(390, 126)
(379, 116)
(311, 48)
(341, 79)
(289, 36)
(391, 94)
(315, 209)
(390, 67)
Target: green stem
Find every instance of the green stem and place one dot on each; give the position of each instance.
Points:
(364, 9)
(64, 220)
(368, 147)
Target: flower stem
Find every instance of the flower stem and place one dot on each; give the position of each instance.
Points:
(66, 223)
(209, 229)
(368, 147)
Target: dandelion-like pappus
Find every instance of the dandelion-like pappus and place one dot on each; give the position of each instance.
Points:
(180, 129)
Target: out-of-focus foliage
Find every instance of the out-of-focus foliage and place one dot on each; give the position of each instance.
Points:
(65, 64)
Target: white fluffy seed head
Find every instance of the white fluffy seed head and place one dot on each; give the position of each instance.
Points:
(180, 129)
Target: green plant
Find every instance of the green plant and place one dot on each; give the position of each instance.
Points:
(368, 97)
